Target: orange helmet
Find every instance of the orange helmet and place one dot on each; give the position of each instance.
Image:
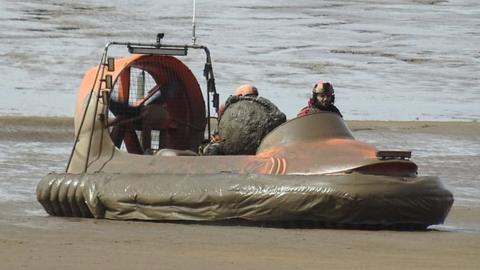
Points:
(246, 90)
(322, 87)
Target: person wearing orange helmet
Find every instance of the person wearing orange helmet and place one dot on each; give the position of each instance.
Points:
(322, 100)
(243, 121)
(246, 90)
(213, 146)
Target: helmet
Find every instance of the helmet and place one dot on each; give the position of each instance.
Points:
(246, 90)
(322, 87)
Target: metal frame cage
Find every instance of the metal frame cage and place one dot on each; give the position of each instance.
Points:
(155, 102)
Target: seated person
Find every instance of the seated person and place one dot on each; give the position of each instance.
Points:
(213, 147)
(323, 97)
(247, 118)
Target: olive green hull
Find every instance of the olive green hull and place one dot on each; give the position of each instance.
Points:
(355, 198)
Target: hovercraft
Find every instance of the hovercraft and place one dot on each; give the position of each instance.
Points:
(139, 121)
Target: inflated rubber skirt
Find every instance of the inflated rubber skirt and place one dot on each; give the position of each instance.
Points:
(337, 199)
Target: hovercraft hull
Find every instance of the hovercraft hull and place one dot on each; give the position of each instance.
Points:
(353, 199)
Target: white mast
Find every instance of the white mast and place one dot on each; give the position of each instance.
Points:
(194, 38)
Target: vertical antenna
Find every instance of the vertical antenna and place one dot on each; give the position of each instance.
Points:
(194, 38)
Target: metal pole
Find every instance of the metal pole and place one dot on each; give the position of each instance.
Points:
(194, 38)
(77, 136)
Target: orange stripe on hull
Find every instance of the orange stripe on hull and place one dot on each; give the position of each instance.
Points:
(273, 165)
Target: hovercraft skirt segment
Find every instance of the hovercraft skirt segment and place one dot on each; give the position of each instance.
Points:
(332, 199)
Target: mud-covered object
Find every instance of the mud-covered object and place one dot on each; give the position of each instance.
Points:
(245, 122)
(337, 199)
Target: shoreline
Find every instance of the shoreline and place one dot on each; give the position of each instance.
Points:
(33, 119)
(49, 129)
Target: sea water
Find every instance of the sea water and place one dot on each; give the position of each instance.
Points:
(388, 60)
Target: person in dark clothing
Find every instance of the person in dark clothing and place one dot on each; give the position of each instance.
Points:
(322, 100)
(245, 120)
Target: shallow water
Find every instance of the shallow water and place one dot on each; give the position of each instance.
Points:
(388, 60)
(23, 163)
(456, 161)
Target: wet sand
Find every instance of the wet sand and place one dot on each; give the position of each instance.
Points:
(61, 128)
(71, 243)
(31, 240)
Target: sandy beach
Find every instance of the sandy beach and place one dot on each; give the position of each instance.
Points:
(66, 243)
(36, 241)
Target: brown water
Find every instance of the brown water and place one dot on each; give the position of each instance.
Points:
(388, 60)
